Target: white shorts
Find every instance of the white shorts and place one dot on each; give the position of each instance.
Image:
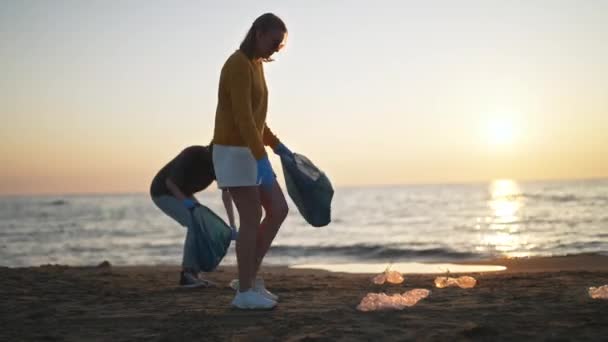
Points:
(234, 166)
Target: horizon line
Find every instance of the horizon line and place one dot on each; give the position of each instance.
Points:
(347, 186)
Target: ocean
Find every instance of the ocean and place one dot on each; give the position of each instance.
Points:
(369, 224)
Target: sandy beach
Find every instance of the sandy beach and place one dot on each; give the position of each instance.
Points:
(534, 299)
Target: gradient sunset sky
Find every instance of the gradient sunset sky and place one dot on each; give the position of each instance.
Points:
(96, 96)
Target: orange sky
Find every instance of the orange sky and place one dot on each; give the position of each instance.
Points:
(96, 98)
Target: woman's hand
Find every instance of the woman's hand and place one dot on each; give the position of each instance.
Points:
(282, 150)
(265, 174)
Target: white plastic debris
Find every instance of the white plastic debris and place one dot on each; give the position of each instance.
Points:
(382, 301)
(392, 277)
(464, 282)
(599, 292)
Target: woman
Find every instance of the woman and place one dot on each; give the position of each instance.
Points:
(240, 160)
(173, 190)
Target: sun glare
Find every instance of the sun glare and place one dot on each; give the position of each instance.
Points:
(501, 131)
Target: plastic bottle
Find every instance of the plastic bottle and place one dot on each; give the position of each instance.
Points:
(382, 301)
(464, 282)
(599, 292)
(392, 277)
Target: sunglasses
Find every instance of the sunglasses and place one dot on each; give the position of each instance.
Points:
(277, 44)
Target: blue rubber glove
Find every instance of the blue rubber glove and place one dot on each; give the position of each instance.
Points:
(265, 174)
(234, 234)
(189, 203)
(282, 150)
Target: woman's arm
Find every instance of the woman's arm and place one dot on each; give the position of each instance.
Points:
(269, 138)
(240, 94)
(175, 191)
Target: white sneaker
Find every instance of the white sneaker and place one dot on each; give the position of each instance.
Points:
(258, 286)
(252, 300)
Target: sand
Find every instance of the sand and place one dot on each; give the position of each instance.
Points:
(537, 299)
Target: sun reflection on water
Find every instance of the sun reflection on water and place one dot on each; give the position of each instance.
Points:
(503, 227)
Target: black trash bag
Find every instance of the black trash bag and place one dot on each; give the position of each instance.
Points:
(309, 188)
(212, 237)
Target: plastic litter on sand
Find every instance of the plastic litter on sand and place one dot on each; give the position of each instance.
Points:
(392, 277)
(464, 282)
(599, 292)
(382, 301)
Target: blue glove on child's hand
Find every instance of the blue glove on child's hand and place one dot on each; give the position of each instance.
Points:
(189, 203)
(282, 150)
(234, 234)
(265, 173)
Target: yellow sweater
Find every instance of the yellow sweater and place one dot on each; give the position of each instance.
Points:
(240, 118)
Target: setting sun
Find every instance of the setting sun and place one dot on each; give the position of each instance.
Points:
(501, 131)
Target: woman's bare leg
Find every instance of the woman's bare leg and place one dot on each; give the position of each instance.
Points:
(248, 204)
(275, 207)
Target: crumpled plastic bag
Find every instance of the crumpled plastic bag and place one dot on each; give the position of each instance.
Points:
(599, 292)
(212, 237)
(382, 301)
(464, 282)
(309, 188)
(392, 277)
